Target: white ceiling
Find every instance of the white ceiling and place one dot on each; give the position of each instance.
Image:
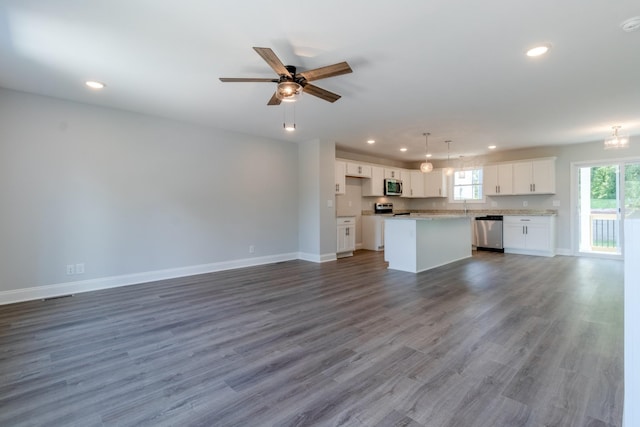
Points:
(454, 68)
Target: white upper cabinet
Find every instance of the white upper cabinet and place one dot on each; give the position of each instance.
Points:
(405, 177)
(534, 177)
(341, 182)
(435, 183)
(358, 170)
(498, 179)
(375, 185)
(392, 173)
(416, 184)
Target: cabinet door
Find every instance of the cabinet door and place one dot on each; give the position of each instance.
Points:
(350, 238)
(341, 182)
(435, 183)
(374, 186)
(522, 178)
(513, 235)
(490, 180)
(405, 177)
(358, 170)
(417, 184)
(505, 179)
(537, 235)
(544, 176)
(392, 173)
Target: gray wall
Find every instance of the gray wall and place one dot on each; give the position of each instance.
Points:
(566, 155)
(126, 193)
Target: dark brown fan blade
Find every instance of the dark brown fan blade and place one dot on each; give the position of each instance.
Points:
(233, 79)
(273, 61)
(274, 100)
(328, 71)
(321, 93)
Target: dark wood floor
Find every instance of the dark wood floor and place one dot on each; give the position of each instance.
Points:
(496, 340)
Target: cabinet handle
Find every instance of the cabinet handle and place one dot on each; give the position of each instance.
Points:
(534, 187)
(347, 231)
(439, 191)
(337, 188)
(359, 169)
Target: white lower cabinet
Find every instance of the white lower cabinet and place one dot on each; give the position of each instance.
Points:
(346, 227)
(530, 235)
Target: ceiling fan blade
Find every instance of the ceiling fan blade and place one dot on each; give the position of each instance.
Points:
(274, 100)
(274, 62)
(321, 93)
(328, 71)
(234, 79)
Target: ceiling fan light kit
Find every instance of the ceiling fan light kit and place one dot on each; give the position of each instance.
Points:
(291, 84)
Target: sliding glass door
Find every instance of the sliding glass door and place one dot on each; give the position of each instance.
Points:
(607, 193)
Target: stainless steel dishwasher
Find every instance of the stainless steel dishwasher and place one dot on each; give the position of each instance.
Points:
(488, 233)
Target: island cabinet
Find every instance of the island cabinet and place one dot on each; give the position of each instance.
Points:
(435, 183)
(346, 228)
(529, 235)
(534, 177)
(374, 186)
(341, 181)
(359, 171)
(498, 180)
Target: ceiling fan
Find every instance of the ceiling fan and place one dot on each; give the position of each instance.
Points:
(291, 84)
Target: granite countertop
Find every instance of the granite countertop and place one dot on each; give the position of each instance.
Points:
(474, 213)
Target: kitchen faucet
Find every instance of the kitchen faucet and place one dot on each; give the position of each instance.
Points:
(464, 204)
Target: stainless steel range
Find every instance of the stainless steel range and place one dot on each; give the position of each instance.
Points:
(383, 208)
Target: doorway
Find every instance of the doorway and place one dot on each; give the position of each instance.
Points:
(607, 193)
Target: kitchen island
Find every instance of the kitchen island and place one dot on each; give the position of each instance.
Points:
(421, 242)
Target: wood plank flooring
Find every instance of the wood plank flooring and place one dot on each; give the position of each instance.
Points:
(494, 340)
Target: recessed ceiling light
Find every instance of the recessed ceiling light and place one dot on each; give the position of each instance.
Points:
(492, 147)
(539, 50)
(428, 155)
(403, 149)
(371, 141)
(94, 84)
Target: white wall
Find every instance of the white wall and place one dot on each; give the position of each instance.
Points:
(126, 193)
(317, 235)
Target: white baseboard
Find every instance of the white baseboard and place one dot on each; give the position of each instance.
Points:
(316, 258)
(68, 288)
(564, 251)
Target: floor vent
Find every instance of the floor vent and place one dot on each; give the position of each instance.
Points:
(58, 297)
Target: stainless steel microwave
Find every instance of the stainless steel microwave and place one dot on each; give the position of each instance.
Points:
(392, 187)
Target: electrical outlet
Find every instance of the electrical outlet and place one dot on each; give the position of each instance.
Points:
(494, 204)
(525, 203)
(556, 203)
(80, 268)
(252, 249)
(70, 269)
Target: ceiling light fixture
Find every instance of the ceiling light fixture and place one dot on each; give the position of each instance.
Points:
(492, 147)
(371, 141)
(288, 91)
(448, 170)
(426, 166)
(631, 24)
(616, 140)
(94, 84)
(539, 50)
(403, 149)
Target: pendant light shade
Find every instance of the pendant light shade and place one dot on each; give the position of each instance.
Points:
(617, 139)
(426, 166)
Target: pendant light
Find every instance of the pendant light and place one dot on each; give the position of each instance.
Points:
(448, 170)
(616, 140)
(426, 167)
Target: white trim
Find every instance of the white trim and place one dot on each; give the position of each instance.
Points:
(59, 289)
(317, 258)
(564, 251)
